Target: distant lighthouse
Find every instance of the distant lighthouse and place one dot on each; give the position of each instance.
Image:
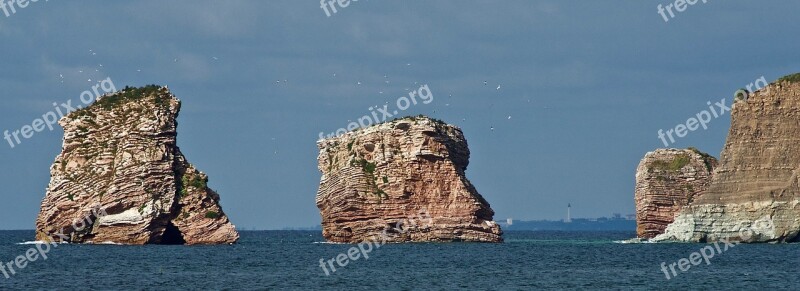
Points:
(569, 218)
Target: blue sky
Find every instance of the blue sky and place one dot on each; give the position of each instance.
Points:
(587, 85)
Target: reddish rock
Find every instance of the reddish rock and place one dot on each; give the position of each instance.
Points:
(666, 180)
(375, 178)
(120, 157)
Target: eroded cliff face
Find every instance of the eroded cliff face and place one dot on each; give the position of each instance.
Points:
(757, 180)
(375, 178)
(120, 157)
(667, 180)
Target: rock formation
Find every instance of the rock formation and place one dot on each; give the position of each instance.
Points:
(120, 157)
(376, 178)
(666, 180)
(754, 195)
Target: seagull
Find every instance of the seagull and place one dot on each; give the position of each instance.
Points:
(359, 82)
(138, 70)
(485, 82)
(509, 117)
(334, 74)
(80, 71)
(498, 87)
(492, 128)
(61, 75)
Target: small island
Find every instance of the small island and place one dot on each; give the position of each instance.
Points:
(121, 178)
(401, 181)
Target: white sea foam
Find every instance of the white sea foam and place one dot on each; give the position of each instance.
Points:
(634, 241)
(38, 242)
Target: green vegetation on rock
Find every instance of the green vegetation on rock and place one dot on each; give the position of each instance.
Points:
(677, 163)
(708, 160)
(127, 94)
(187, 181)
(793, 78)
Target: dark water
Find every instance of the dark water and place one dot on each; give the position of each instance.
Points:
(289, 260)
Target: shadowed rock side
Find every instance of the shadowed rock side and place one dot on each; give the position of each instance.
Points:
(667, 180)
(120, 155)
(757, 179)
(375, 178)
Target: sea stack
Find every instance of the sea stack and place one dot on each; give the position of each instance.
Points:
(754, 194)
(401, 181)
(121, 178)
(667, 180)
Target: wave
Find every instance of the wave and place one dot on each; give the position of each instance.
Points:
(39, 242)
(634, 241)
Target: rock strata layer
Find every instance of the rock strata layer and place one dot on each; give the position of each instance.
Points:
(754, 195)
(379, 178)
(120, 156)
(667, 180)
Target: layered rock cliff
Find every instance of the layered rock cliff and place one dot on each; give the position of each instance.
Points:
(120, 157)
(754, 195)
(377, 178)
(667, 180)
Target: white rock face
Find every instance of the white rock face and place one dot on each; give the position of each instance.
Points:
(754, 195)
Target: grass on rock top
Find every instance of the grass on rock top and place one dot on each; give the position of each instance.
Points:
(793, 78)
(677, 163)
(709, 160)
(128, 94)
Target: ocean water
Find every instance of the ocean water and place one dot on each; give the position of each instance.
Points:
(289, 260)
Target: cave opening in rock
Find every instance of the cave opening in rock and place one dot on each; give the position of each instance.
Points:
(172, 236)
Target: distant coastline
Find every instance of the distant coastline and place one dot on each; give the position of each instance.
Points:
(576, 224)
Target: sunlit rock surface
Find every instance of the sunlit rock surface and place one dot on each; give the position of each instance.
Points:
(375, 178)
(120, 155)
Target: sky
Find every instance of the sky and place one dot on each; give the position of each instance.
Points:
(558, 100)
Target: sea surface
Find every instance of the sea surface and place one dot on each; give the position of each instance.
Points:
(290, 260)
